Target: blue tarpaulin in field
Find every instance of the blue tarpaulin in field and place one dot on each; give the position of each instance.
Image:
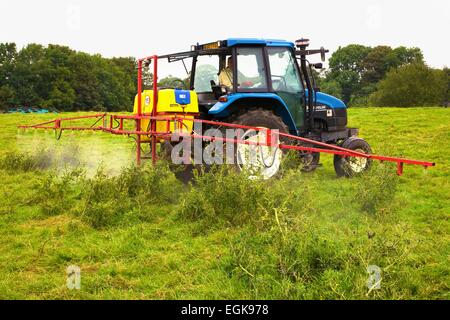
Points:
(28, 110)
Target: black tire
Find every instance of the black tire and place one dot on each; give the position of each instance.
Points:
(183, 172)
(260, 117)
(352, 166)
(310, 161)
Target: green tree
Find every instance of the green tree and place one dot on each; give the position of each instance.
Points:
(411, 85)
(377, 63)
(331, 87)
(346, 68)
(62, 96)
(8, 55)
(382, 58)
(85, 82)
(7, 97)
(56, 76)
(29, 75)
(402, 55)
(57, 90)
(128, 68)
(447, 74)
(354, 70)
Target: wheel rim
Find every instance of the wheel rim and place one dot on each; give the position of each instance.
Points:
(357, 164)
(260, 161)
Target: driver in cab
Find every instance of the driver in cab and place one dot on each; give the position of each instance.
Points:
(226, 76)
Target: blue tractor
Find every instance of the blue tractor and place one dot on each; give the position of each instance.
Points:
(270, 83)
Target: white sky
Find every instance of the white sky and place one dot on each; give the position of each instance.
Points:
(140, 28)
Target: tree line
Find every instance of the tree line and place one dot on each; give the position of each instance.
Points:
(58, 77)
(384, 76)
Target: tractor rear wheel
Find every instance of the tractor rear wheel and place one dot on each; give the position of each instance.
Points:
(261, 161)
(352, 166)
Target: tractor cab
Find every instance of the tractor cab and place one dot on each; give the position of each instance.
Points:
(246, 68)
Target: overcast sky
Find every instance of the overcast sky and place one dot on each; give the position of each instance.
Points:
(139, 28)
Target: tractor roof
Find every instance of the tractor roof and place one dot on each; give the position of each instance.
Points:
(254, 41)
(218, 47)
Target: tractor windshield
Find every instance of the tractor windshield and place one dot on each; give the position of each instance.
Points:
(207, 69)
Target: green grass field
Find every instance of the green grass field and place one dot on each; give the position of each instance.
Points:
(141, 234)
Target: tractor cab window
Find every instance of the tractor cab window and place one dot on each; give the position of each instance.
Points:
(251, 73)
(283, 71)
(206, 69)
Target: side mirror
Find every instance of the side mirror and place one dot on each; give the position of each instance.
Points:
(318, 65)
(322, 54)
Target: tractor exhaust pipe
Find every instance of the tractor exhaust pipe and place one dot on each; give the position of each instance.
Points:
(302, 44)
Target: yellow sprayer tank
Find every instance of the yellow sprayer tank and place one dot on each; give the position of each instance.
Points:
(171, 103)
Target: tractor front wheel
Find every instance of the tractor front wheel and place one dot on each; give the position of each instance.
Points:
(352, 166)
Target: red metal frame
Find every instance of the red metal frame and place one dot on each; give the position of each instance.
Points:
(154, 135)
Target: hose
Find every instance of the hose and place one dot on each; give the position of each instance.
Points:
(263, 159)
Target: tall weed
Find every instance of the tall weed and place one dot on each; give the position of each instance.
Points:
(17, 161)
(376, 189)
(134, 194)
(224, 197)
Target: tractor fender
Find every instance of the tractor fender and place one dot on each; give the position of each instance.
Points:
(240, 100)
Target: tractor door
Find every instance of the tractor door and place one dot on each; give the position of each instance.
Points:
(286, 81)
